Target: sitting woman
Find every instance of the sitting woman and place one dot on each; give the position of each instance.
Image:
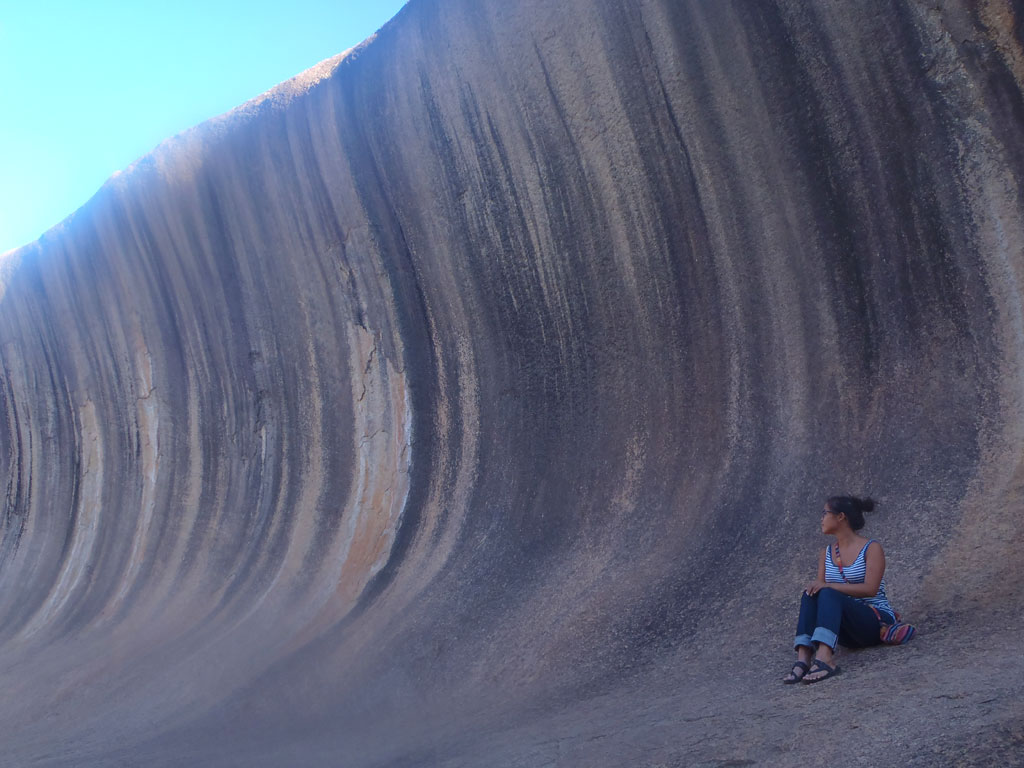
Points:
(846, 604)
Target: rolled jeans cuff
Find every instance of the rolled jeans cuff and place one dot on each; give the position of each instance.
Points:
(803, 640)
(826, 636)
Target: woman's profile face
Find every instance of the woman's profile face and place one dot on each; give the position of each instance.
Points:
(829, 520)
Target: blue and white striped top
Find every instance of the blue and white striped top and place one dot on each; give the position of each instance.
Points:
(855, 575)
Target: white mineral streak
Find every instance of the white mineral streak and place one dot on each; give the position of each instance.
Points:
(79, 559)
(148, 425)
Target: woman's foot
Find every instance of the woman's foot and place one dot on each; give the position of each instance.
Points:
(799, 670)
(819, 671)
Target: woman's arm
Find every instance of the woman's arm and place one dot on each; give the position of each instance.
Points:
(873, 572)
(812, 588)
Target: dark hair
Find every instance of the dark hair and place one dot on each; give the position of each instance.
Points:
(852, 507)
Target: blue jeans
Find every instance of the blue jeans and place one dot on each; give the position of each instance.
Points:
(830, 617)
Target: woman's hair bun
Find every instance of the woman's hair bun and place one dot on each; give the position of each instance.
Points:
(853, 507)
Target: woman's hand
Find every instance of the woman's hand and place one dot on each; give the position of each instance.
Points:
(814, 587)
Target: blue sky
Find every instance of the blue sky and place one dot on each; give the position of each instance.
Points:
(89, 86)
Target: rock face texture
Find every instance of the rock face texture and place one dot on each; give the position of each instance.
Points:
(471, 398)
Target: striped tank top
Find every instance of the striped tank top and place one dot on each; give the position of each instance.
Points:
(855, 575)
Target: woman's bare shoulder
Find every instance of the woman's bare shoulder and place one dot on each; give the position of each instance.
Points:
(873, 545)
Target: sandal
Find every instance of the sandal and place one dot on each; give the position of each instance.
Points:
(793, 677)
(821, 666)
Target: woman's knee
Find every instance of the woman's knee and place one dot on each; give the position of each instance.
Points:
(827, 593)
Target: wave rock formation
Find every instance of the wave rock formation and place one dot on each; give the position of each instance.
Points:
(470, 399)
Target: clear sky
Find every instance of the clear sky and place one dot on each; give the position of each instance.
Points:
(89, 86)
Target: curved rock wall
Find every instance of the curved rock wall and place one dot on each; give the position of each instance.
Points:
(505, 359)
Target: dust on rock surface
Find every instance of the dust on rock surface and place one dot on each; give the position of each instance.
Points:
(930, 703)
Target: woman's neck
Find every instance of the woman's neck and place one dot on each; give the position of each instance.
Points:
(846, 538)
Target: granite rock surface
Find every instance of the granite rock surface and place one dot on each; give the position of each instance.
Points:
(470, 399)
